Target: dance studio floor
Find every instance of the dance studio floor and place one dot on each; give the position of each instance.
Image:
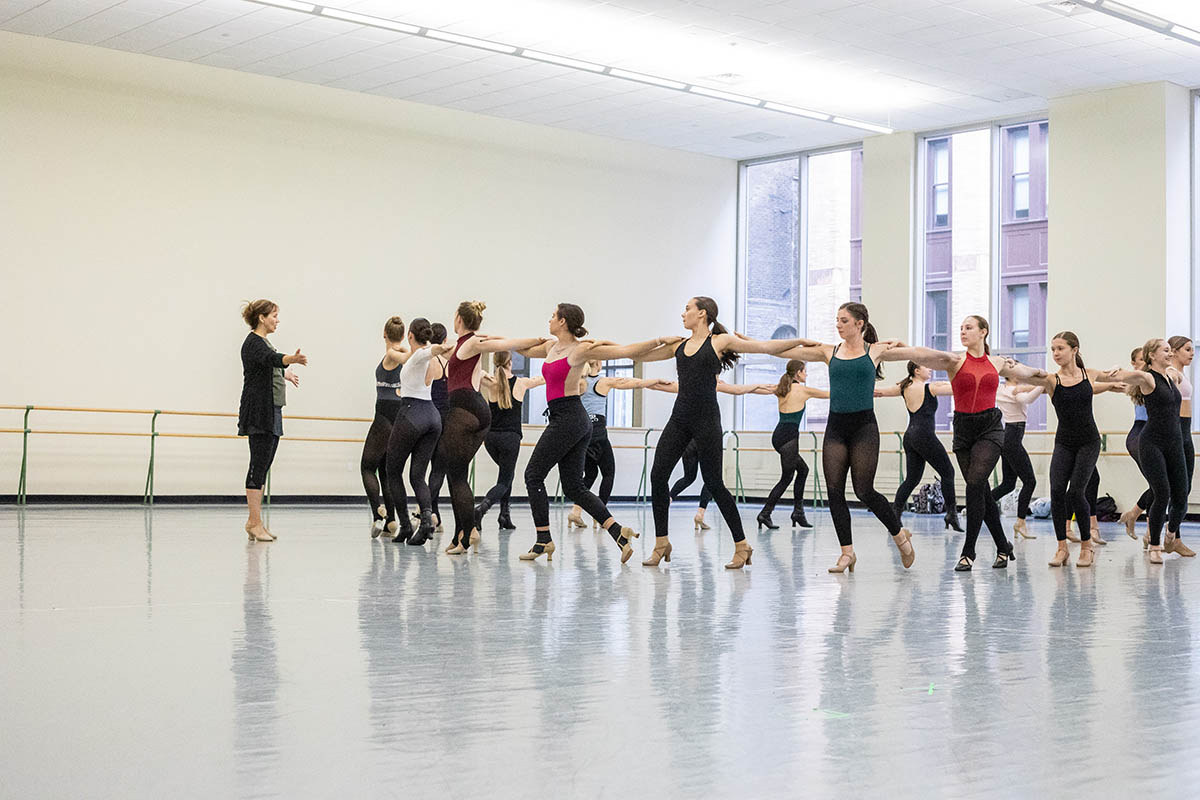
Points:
(158, 654)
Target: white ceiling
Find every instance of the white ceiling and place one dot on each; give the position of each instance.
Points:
(909, 64)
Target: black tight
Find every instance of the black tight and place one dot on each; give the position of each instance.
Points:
(704, 426)
(373, 463)
(564, 444)
(504, 447)
(1015, 465)
(1164, 467)
(852, 446)
(1189, 449)
(262, 455)
(466, 425)
(414, 436)
(1131, 446)
(921, 447)
(786, 441)
(599, 460)
(691, 466)
(1071, 470)
(1093, 491)
(437, 473)
(978, 439)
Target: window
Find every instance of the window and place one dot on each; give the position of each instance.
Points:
(960, 265)
(795, 276)
(622, 404)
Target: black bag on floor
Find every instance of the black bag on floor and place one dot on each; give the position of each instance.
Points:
(1106, 509)
(929, 499)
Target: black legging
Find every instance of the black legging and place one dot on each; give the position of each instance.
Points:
(786, 441)
(1093, 491)
(414, 436)
(1071, 470)
(852, 446)
(1189, 449)
(1131, 446)
(704, 426)
(978, 440)
(564, 444)
(1015, 465)
(691, 466)
(373, 463)
(598, 459)
(504, 447)
(921, 447)
(1164, 467)
(466, 425)
(262, 454)
(437, 473)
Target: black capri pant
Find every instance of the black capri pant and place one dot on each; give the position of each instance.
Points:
(262, 454)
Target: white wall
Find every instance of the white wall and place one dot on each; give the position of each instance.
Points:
(145, 199)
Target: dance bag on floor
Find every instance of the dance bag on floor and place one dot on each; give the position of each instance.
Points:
(1106, 509)
(929, 499)
(1040, 508)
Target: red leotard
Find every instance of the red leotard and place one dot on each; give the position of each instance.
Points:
(555, 373)
(975, 385)
(459, 371)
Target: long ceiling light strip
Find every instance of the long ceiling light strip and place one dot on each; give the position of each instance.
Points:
(564, 61)
(1129, 13)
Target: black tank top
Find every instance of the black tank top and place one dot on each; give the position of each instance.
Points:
(697, 377)
(387, 381)
(506, 420)
(439, 391)
(1073, 405)
(925, 416)
(1162, 411)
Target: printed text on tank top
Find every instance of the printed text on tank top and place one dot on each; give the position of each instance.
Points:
(460, 372)
(975, 384)
(387, 381)
(555, 373)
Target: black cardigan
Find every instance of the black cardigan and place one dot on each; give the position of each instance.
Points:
(259, 363)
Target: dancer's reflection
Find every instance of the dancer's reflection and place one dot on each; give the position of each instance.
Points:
(255, 678)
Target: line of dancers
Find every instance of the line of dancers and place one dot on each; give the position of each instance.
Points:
(436, 407)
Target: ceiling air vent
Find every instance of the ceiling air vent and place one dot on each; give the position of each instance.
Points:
(758, 137)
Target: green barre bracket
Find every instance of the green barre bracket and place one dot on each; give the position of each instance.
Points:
(739, 491)
(819, 494)
(24, 457)
(148, 494)
(644, 482)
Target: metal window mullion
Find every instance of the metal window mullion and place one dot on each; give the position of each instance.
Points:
(740, 292)
(920, 201)
(802, 253)
(995, 209)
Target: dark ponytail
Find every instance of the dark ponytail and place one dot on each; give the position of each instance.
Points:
(573, 316)
(709, 307)
(860, 313)
(1072, 342)
(794, 368)
(421, 330)
(983, 326)
(912, 374)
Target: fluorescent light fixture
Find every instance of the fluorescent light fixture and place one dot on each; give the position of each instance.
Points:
(650, 79)
(469, 41)
(369, 21)
(866, 126)
(1135, 15)
(290, 5)
(562, 61)
(1185, 33)
(730, 96)
(799, 112)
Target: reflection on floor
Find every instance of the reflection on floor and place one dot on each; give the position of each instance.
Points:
(157, 653)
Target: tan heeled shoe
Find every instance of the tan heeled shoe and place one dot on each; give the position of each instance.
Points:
(846, 561)
(1182, 549)
(1072, 536)
(1086, 554)
(1129, 520)
(575, 520)
(623, 542)
(1061, 556)
(258, 533)
(741, 555)
(1097, 539)
(474, 540)
(1020, 528)
(701, 525)
(1156, 554)
(661, 552)
(538, 549)
(1146, 540)
(903, 542)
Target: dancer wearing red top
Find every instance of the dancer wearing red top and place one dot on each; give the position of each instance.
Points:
(978, 432)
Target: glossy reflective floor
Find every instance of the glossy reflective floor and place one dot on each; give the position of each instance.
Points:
(158, 654)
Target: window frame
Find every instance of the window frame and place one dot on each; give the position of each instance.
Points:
(801, 259)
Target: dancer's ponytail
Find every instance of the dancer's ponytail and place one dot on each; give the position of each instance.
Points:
(709, 307)
(870, 337)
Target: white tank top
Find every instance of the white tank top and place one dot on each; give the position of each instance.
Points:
(412, 375)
